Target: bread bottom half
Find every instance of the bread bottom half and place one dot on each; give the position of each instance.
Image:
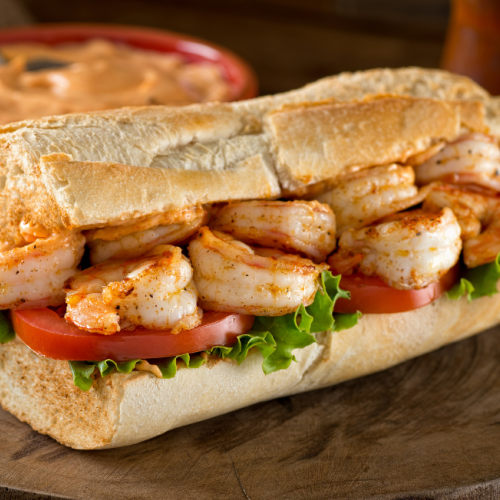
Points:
(121, 410)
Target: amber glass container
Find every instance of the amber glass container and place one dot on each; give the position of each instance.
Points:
(473, 42)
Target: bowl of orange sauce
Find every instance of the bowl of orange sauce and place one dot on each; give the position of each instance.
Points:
(64, 68)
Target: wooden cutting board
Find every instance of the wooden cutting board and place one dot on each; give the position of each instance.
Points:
(429, 428)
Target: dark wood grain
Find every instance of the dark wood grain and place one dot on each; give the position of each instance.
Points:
(429, 428)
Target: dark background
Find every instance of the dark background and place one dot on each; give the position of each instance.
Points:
(288, 42)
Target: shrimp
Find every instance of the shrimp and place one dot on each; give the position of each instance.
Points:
(155, 291)
(367, 195)
(230, 276)
(484, 247)
(478, 214)
(305, 227)
(470, 208)
(408, 250)
(471, 159)
(33, 276)
(134, 238)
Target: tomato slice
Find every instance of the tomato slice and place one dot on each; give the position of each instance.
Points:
(370, 295)
(47, 334)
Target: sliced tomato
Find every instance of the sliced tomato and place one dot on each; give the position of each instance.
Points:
(370, 295)
(47, 334)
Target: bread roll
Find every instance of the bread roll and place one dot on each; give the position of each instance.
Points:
(121, 410)
(89, 170)
(94, 169)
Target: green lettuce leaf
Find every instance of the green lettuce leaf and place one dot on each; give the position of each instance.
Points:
(83, 371)
(478, 282)
(168, 366)
(462, 287)
(274, 337)
(262, 341)
(344, 321)
(82, 374)
(107, 366)
(7, 332)
(288, 334)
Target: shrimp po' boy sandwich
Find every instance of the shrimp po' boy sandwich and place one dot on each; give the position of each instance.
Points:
(186, 262)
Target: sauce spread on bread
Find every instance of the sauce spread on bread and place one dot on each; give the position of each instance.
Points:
(38, 80)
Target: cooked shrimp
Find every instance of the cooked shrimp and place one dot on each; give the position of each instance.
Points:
(469, 207)
(33, 275)
(134, 238)
(305, 227)
(408, 251)
(367, 195)
(484, 248)
(31, 232)
(230, 276)
(471, 159)
(155, 291)
(478, 214)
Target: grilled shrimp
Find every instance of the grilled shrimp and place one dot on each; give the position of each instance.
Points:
(134, 238)
(367, 195)
(408, 251)
(305, 227)
(469, 207)
(230, 276)
(471, 159)
(155, 291)
(479, 217)
(484, 247)
(33, 275)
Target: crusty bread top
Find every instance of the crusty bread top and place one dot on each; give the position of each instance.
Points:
(85, 170)
(316, 142)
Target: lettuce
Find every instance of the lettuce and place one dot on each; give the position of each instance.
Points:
(168, 366)
(83, 371)
(7, 332)
(274, 337)
(478, 282)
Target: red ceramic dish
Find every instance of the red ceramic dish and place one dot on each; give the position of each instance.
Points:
(237, 72)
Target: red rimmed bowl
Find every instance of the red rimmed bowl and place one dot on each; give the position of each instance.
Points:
(238, 74)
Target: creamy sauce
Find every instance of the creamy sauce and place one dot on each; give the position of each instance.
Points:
(100, 75)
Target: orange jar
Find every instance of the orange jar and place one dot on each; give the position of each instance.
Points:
(473, 42)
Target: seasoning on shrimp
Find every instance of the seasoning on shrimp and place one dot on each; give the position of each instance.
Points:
(33, 275)
(134, 238)
(478, 213)
(408, 251)
(469, 207)
(471, 159)
(155, 291)
(232, 277)
(367, 195)
(305, 227)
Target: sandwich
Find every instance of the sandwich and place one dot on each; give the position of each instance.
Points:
(183, 263)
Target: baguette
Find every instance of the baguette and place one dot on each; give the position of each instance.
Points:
(90, 170)
(121, 410)
(75, 171)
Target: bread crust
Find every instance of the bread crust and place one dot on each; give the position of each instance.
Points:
(316, 142)
(51, 170)
(113, 413)
(233, 146)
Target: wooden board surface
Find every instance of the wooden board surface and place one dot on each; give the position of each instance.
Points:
(429, 428)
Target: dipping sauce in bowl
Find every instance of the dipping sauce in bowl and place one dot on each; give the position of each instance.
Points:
(55, 70)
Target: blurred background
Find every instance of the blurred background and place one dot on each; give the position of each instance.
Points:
(288, 42)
